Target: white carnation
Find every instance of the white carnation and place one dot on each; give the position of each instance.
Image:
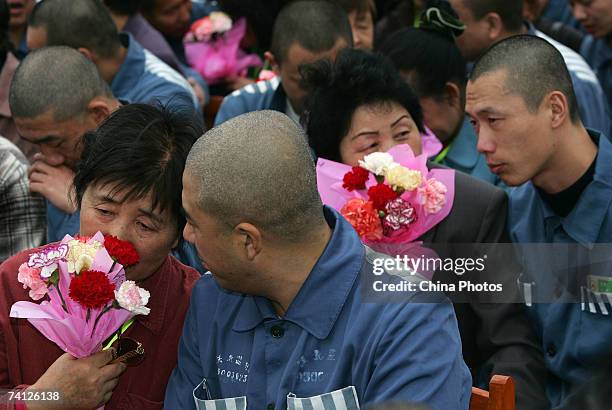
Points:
(378, 163)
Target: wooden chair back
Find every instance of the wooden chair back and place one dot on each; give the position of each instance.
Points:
(501, 395)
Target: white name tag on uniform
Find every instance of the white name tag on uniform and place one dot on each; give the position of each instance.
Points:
(343, 399)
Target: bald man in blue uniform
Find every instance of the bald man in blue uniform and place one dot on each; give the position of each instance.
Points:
(285, 319)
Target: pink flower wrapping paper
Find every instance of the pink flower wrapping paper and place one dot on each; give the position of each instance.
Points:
(329, 182)
(70, 329)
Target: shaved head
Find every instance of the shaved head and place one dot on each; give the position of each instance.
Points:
(257, 168)
(535, 68)
(56, 78)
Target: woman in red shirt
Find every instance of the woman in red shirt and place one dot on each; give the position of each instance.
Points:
(128, 184)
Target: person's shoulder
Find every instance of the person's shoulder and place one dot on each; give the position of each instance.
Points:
(595, 51)
(161, 74)
(157, 78)
(522, 204)
(481, 193)
(252, 97)
(257, 95)
(189, 276)
(575, 63)
(13, 164)
(206, 290)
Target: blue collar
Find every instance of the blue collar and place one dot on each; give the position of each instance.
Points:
(584, 222)
(132, 68)
(463, 153)
(531, 30)
(319, 302)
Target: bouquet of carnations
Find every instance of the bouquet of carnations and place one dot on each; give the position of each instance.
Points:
(85, 295)
(212, 48)
(391, 198)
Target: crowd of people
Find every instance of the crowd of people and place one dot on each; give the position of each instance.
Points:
(258, 287)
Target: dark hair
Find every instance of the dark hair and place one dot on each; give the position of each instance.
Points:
(429, 54)
(140, 149)
(535, 68)
(124, 7)
(56, 78)
(315, 25)
(147, 5)
(360, 6)
(260, 15)
(337, 89)
(5, 18)
(83, 23)
(509, 11)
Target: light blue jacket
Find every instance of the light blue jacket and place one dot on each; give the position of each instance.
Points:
(264, 95)
(144, 78)
(598, 54)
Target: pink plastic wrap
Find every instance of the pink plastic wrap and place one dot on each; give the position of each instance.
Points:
(221, 57)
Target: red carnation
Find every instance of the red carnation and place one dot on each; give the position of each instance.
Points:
(121, 251)
(355, 179)
(91, 289)
(381, 194)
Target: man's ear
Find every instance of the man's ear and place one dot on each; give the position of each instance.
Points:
(452, 95)
(249, 238)
(270, 58)
(495, 27)
(86, 52)
(100, 110)
(559, 108)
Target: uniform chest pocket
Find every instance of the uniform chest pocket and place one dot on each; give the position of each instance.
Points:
(343, 399)
(203, 400)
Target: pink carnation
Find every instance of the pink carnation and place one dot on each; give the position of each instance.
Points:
(30, 278)
(433, 195)
(133, 298)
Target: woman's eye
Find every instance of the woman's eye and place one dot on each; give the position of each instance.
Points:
(144, 226)
(369, 147)
(403, 135)
(104, 212)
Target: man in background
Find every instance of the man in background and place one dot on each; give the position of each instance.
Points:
(304, 32)
(490, 21)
